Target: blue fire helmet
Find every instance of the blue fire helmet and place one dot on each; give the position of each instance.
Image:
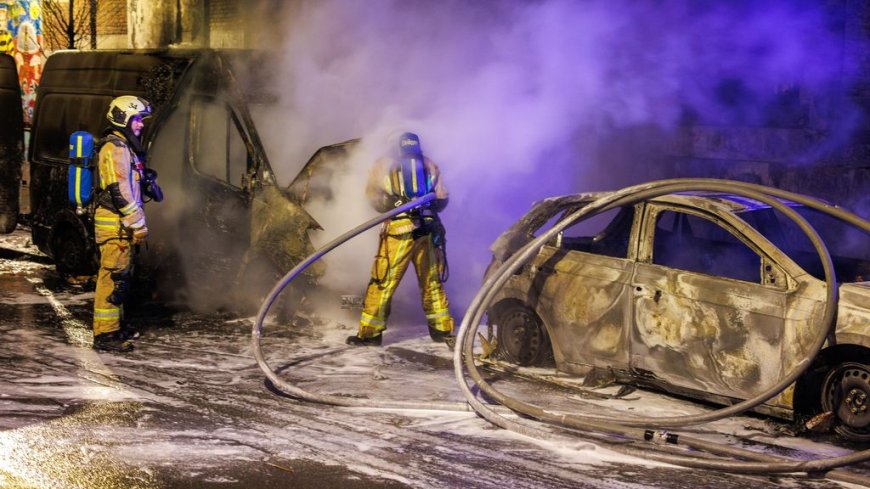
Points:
(409, 145)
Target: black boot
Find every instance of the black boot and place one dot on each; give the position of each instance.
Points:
(367, 341)
(129, 333)
(112, 342)
(439, 336)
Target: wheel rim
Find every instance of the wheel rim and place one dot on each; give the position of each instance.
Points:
(846, 392)
(521, 337)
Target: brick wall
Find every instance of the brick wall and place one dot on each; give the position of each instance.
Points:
(229, 22)
(111, 24)
(111, 18)
(226, 23)
(224, 14)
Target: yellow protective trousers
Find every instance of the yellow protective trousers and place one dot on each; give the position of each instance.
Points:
(116, 250)
(394, 253)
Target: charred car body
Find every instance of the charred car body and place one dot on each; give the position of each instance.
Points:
(703, 295)
(223, 211)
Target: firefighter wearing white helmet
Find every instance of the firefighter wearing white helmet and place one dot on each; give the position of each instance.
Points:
(122, 108)
(119, 220)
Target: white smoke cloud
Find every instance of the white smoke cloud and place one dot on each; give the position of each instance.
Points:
(518, 100)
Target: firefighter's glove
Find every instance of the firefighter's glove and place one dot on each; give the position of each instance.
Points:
(149, 185)
(140, 234)
(135, 219)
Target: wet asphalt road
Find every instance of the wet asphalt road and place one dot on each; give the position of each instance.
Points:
(190, 408)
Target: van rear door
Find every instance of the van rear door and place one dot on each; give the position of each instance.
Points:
(11, 143)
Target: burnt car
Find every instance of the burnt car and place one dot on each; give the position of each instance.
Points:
(703, 295)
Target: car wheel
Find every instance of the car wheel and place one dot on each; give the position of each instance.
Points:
(846, 392)
(71, 256)
(521, 337)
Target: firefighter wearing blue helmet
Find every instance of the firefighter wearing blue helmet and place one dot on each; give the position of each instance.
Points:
(415, 237)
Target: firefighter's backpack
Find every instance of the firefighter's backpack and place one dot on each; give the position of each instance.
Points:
(413, 178)
(81, 168)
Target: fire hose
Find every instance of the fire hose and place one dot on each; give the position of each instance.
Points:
(295, 391)
(640, 429)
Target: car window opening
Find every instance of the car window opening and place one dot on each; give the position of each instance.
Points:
(851, 258)
(605, 234)
(692, 243)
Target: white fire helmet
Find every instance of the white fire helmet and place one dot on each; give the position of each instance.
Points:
(126, 106)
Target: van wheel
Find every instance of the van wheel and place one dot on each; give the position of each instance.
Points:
(71, 256)
(521, 336)
(846, 392)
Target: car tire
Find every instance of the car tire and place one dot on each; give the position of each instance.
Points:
(846, 392)
(72, 255)
(521, 337)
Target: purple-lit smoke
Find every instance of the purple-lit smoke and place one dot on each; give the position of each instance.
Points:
(518, 100)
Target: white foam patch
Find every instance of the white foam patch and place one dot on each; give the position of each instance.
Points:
(193, 399)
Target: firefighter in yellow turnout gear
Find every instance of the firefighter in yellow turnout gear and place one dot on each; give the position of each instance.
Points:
(119, 219)
(414, 237)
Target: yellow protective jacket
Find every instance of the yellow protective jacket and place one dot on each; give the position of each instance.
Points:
(120, 172)
(384, 193)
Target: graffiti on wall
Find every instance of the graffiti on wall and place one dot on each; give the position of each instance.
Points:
(21, 38)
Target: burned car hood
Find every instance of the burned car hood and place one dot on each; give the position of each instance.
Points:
(522, 231)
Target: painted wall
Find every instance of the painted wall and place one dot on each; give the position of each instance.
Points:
(21, 37)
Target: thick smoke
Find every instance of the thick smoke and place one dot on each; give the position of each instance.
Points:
(520, 100)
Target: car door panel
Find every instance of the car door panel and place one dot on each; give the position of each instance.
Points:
(707, 331)
(583, 298)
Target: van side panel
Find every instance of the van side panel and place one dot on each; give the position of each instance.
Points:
(11, 143)
(74, 95)
(104, 72)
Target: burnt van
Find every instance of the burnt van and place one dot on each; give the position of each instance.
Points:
(11, 143)
(224, 221)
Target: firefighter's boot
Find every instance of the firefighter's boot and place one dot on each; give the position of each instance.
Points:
(366, 337)
(129, 332)
(112, 342)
